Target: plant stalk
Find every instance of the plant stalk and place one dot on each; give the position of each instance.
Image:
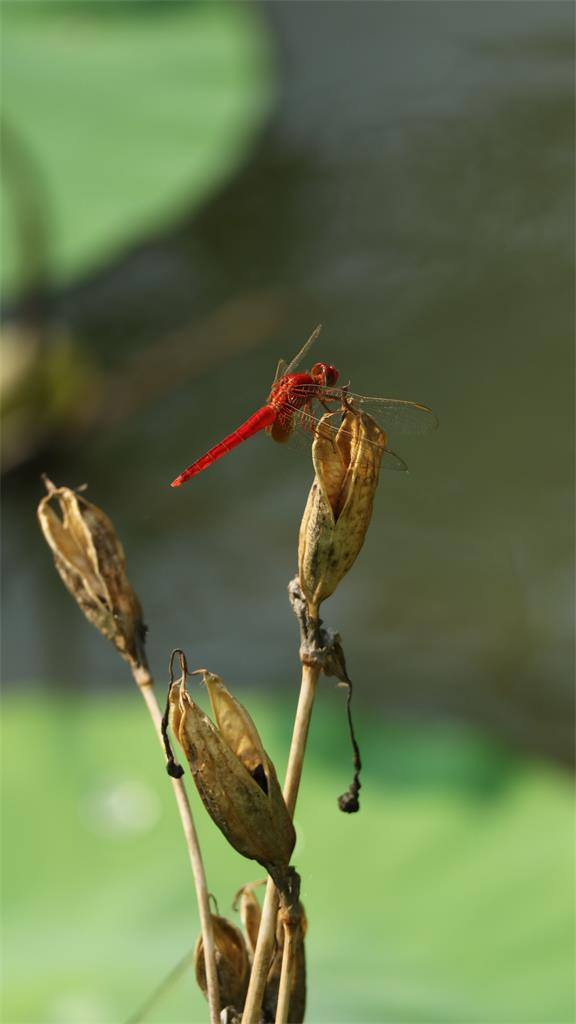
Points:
(145, 684)
(286, 975)
(266, 935)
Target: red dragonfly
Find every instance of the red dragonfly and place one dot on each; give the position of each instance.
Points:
(291, 403)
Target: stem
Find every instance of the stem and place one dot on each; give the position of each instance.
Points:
(267, 932)
(146, 685)
(310, 675)
(285, 988)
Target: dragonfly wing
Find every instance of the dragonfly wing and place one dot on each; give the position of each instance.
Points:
(398, 415)
(298, 358)
(307, 424)
(392, 461)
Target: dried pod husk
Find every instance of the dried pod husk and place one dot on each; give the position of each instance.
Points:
(234, 776)
(232, 963)
(297, 1007)
(90, 559)
(339, 506)
(250, 914)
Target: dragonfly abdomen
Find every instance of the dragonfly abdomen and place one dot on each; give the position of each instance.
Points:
(259, 420)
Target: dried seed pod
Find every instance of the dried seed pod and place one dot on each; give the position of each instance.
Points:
(91, 562)
(234, 776)
(339, 506)
(232, 963)
(250, 914)
(297, 1007)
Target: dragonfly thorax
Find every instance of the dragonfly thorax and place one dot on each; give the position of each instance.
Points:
(296, 390)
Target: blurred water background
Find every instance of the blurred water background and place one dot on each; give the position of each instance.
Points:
(188, 188)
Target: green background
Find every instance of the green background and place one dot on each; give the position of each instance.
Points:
(443, 900)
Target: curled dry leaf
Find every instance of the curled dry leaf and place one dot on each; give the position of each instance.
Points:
(234, 776)
(339, 506)
(91, 562)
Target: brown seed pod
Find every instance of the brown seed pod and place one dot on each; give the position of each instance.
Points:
(339, 506)
(232, 964)
(234, 775)
(90, 559)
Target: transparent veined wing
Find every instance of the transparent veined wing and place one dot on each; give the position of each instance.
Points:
(305, 424)
(397, 415)
(284, 367)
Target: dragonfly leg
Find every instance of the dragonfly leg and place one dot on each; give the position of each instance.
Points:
(334, 396)
(324, 404)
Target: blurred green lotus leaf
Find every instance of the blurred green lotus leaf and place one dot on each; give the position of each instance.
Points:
(118, 117)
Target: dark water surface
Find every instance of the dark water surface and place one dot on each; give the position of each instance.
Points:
(414, 193)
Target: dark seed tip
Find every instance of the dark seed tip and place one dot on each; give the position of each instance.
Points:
(349, 803)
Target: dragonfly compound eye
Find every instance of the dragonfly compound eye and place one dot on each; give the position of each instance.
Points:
(324, 373)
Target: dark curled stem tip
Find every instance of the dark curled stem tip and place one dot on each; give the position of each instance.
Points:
(175, 770)
(183, 664)
(349, 801)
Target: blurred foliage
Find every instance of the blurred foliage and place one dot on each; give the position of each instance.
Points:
(116, 116)
(444, 900)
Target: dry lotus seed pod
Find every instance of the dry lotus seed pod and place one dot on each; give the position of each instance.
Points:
(339, 507)
(232, 964)
(91, 562)
(234, 776)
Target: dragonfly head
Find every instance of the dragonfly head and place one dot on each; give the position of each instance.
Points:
(324, 373)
